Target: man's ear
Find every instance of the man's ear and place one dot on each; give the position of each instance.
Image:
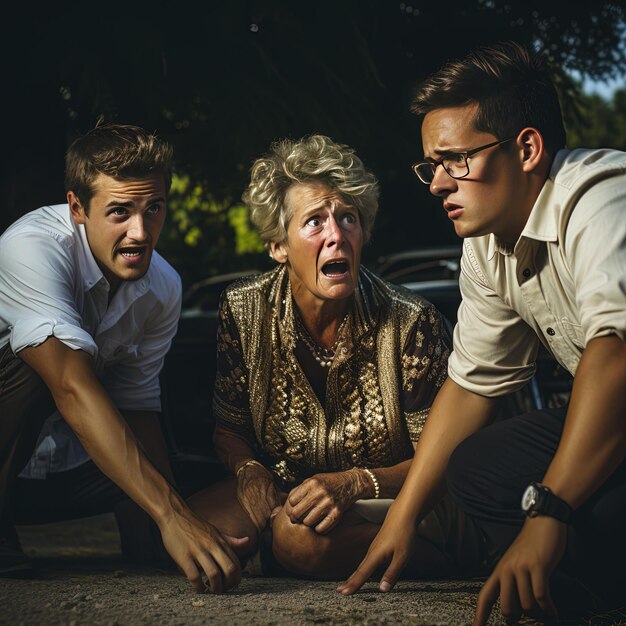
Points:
(533, 153)
(278, 251)
(77, 211)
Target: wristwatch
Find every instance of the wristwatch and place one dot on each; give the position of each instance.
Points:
(539, 500)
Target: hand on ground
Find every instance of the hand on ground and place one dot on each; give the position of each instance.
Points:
(197, 547)
(392, 546)
(521, 576)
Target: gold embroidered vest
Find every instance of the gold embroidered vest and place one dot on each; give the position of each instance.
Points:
(391, 358)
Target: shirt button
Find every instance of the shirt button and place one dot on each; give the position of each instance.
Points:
(344, 350)
(526, 273)
(551, 331)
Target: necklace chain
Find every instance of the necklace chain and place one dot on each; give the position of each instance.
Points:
(324, 356)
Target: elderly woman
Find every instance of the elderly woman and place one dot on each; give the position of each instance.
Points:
(326, 374)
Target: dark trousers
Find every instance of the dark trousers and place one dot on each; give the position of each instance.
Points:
(490, 470)
(25, 403)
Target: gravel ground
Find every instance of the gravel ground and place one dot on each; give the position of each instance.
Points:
(83, 581)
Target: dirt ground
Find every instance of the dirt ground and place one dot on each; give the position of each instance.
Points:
(83, 581)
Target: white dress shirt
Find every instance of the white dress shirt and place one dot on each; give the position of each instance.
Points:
(51, 285)
(562, 284)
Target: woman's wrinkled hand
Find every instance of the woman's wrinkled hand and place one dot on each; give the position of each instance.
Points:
(320, 501)
(257, 493)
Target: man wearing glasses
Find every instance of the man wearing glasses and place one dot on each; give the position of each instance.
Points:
(544, 262)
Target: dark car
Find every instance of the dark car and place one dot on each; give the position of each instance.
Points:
(204, 295)
(431, 272)
(434, 274)
(187, 384)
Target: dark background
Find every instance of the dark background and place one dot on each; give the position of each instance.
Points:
(221, 80)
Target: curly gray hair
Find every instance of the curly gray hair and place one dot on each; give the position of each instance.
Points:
(314, 158)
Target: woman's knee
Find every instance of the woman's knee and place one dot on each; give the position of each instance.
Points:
(299, 548)
(219, 506)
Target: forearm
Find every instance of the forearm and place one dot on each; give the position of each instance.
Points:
(231, 448)
(390, 480)
(113, 447)
(593, 443)
(106, 437)
(455, 415)
(146, 427)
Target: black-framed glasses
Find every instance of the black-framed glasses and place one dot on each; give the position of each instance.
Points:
(456, 164)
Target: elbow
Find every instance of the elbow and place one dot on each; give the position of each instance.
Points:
(221, 445)
(74, 392)
(66, 396)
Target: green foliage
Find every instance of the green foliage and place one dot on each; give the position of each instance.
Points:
(205, 236)
(222, 80)
(600, 123)
(247, 240)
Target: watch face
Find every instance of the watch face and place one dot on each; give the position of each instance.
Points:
(529, 499)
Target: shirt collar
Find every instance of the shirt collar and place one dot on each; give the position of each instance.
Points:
(495, 245)
(91, 273)
(542, 221)
(126, 296)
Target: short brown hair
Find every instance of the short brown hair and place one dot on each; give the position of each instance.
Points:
(117, 150)
(509, 83)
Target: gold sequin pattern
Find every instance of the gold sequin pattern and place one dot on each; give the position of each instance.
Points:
(391, 360)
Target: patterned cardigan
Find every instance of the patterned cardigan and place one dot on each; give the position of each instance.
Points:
(391, 359)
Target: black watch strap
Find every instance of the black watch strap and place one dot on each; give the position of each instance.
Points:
(546, 503)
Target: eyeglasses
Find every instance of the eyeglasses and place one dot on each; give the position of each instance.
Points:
(456, 164)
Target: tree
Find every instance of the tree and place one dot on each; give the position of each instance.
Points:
(223, 81)
(601, 123)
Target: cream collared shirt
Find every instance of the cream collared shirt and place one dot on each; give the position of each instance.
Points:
(563, 283)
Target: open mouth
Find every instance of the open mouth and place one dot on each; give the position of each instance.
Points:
(335, 268)
(132, 253)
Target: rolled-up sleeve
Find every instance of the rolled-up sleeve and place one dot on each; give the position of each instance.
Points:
(37, 297)
(596, 243)
(494, 349)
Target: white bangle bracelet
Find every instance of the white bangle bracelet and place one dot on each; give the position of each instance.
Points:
(374, 481)
(245, 464)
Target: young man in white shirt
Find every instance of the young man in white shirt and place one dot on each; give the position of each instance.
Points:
(88, 310)
(544, 261)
